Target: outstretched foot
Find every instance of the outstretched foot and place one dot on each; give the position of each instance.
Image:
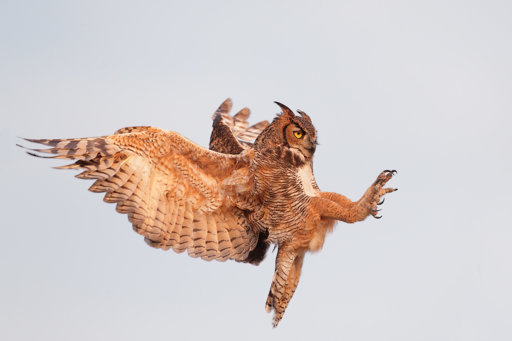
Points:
(374, 195)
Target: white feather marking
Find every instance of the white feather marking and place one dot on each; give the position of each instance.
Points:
(307, 179)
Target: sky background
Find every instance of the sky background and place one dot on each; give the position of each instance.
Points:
(423, 87)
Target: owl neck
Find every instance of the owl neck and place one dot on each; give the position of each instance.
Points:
(280, 156)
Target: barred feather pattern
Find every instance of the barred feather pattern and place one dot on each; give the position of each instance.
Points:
(171, 189)
(232, 134)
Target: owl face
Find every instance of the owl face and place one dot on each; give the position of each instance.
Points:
(301, 136)
(292, 136)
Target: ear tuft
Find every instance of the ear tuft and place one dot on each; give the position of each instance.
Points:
(303, 114)
(287, 111)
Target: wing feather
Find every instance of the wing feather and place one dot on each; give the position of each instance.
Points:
(232, 134)
(211, 239)
(176, 194)
(199, 232)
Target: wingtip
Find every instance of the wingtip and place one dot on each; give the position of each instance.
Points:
(226, 105)
(27, 139)
(224, 108)
(243, 114)
(33, 154)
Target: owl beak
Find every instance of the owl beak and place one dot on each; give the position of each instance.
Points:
(312, 149)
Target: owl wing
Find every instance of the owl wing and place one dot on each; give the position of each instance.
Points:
(232, 134)
(177, 194)
(227, 135)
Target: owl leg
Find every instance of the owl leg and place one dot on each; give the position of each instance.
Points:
(328, 208)
(291, 285)
(337, 206)
(284, 261)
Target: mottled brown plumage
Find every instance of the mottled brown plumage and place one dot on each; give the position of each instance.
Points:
(229, 202)
(232, 135)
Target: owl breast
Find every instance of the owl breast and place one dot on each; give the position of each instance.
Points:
(307, 180)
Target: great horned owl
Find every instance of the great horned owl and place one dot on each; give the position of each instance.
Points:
(230, 202)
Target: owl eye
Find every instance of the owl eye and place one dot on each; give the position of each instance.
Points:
(298, 134)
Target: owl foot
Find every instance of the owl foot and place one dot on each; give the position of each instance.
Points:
(278, 306)
(269, 305)
(374, 195)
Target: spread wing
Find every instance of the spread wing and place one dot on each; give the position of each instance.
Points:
(232, 134)
(177, 194)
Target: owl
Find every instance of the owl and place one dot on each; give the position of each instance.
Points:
(253, 188)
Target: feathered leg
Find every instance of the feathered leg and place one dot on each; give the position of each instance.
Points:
(284, 261)
(337, 206)
(291, 285)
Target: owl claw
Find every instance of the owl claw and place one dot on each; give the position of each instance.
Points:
(384, 177)
(377, 191)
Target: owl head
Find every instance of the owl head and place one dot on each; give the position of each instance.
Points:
(291, 133)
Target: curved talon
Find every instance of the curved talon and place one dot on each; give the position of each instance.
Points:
(375, 210)
(391, 171)
(377, 216)
(381, 202)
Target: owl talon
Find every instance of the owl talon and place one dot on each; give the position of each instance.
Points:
(375, 194)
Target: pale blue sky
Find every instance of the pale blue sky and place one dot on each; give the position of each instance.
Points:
(420, 86)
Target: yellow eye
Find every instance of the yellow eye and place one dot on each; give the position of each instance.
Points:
(298, 134)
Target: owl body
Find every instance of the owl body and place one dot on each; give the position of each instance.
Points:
(285, 194)
(283, 203)
(229, 202)
(283, 177)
